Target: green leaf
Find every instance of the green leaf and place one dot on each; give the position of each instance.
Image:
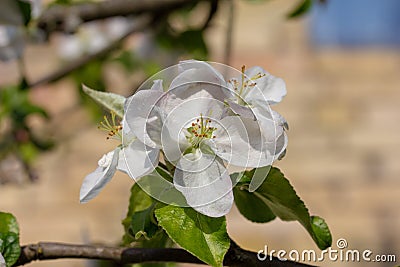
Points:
(138, 201)
(9, 238)
(143, 224)
(28, 151)
(193, 42)
(140, 222)
(128, 61)
(159, 185)
(301, 9)
(10, 248)
(25, 9)
(164, 174)
(152, 188)
(29, 108)
(321, 231)
(280, 197)
(203, 236)
(111, 101)
(16, 103)
(8, 223)
(190, 41)
(252, 207)
(63, 2)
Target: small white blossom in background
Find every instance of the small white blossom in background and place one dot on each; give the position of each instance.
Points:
(91, 37)
(11, 42)
(147, 48)
(12, 34)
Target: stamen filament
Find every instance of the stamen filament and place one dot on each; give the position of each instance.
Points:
(113, 128)
(200, 130)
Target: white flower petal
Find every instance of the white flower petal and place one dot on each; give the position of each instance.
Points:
(139, 113)
(281, 145)
(127, 134)
(209, 190)
(196, 75)
(280, 120)
(174, 143)
(242, 111)
(270, 128)
(259, 176)
(137, 159)
(241, 143)
(205, 70)
(200, 103)
(273, 127)
(174, 131)
(95, 181)
(269, 89)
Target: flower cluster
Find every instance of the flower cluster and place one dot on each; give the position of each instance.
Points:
(202, 124)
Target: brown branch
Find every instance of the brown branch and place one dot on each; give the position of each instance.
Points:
(211, 14)
(229, 32)
(49, 251)
(67, 18)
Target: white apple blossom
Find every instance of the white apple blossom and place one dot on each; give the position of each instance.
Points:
(190, 124)
(204, 126)
(131, 157)
(92, 37)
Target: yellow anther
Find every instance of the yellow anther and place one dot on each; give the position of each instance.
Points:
(200, 129)
(113, 128)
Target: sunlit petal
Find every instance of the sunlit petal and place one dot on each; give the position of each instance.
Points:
(95, 181)
(205, 183)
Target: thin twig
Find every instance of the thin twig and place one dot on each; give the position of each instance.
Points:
(229, 32)
(212, 11)
(67, 18)
(50, 251)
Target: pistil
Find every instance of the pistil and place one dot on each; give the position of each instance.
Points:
(200, 130)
